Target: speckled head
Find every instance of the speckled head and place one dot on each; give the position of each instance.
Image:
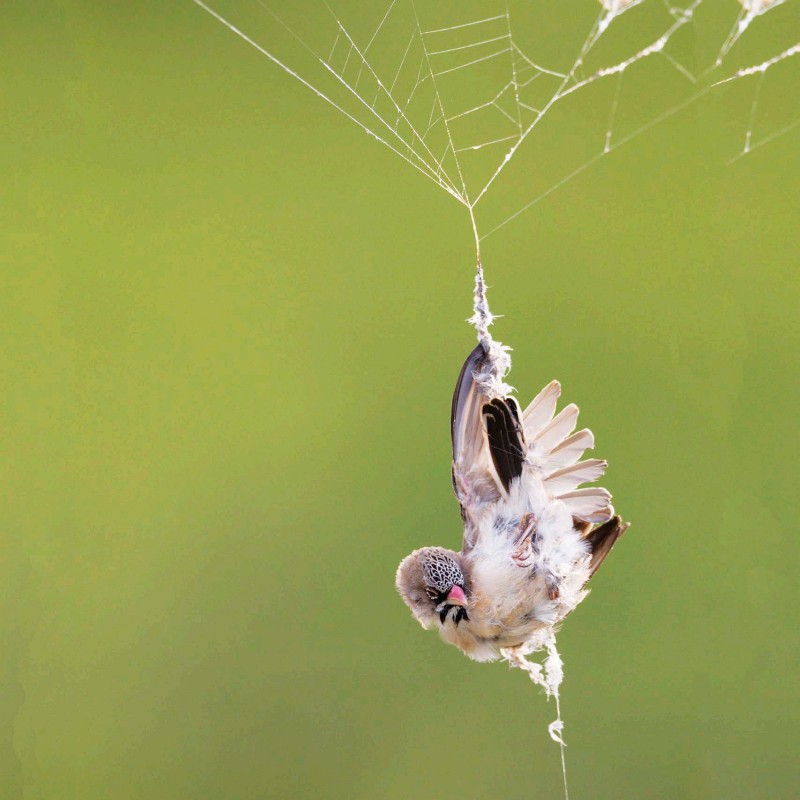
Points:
(432, 584)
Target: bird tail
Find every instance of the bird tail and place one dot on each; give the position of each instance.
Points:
(602, 538)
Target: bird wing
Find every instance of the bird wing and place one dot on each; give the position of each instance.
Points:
(505, 438)
(555, 450)
(493, 442)
(488, 440)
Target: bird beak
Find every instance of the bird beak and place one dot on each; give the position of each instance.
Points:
(456, 597)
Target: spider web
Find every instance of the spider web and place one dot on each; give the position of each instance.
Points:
(458, 90)
(455, 89)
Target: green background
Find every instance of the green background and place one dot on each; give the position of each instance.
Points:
(231, 324)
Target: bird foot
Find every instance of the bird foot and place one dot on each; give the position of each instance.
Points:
(516, 658)
(522, 555)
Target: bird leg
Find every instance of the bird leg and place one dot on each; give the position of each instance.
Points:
(516, 658)
(522, 554)
(553, 590)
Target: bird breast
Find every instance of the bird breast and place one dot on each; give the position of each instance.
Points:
(508, 602)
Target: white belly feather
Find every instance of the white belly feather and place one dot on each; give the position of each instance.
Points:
(512, 602)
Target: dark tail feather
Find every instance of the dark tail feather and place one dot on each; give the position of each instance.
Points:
(601, 539)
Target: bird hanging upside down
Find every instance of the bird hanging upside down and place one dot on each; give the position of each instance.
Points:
(532, 538)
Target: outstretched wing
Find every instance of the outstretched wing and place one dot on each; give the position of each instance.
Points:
(554, 451)
(488, 441)
(505, 438)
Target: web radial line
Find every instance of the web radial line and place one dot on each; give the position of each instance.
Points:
(598, 29)
(441, 177)
(486, 144)
(564, 90)
(242, 35)
(615, 69)
(414, 88)
(335, 42)
(437, 177)
(536, 66)
(401, 115)
(447, 149)
(530, 80)
(594, 159)
(462, 25)
(470, 63)
(380, 25)
(470, 45)
(433, 111)
(566, 78)
(380, 83)
(743, 20)
(508, 116)
(472, 110)
(763, 66)
(513, 70)
(542, 196)
(349, 53)
(678, 66)
(444, 154)
(605, 20)
(524, 67)
(369, 43)
(464, 193)
(433, 124)
(656, 47)
(753, 110)
(613, 113)
(403, 61)
(791, 126)
(481, 106)
(661, 117)
(417, 83)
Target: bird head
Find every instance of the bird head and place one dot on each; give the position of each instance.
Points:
(432, 584)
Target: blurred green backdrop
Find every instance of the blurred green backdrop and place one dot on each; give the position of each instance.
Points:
(231, 324)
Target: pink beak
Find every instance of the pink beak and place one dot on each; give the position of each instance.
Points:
(456, 597)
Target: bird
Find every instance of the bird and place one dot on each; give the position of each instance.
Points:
(532, 538)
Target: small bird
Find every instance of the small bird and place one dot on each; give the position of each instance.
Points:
(532, 539)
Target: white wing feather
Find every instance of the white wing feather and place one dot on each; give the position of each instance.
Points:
(554, 433)
(571, 449)
(554, 451)
(569, 478)
(540, 410)
(591, 505)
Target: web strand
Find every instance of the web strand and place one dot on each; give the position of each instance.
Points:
(426, 172)
(401, 113)
(457, 98)
(440, 103)
(594, 159)
(562, 747)
(405, 106)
